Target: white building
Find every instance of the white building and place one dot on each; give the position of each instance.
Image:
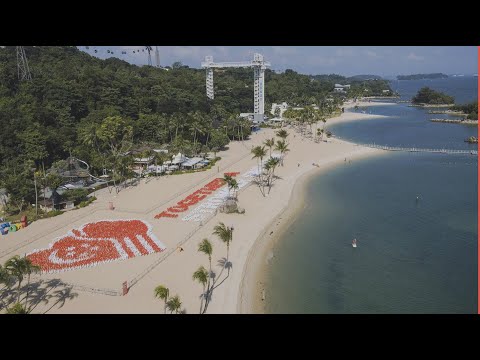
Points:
(283, 107)
(341, 88)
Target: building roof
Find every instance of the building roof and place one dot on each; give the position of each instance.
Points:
(192, 161)
(143, 160)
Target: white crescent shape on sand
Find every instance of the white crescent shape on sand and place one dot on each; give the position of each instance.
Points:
(56, 260)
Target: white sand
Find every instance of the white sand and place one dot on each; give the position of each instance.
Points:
(150, 198)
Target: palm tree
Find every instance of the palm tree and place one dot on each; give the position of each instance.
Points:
(4, 276)
(206, 247)
(228, 180)
(201, 275)
(234, 186)
(16, 267)
(282, 146)
(17, 309)
(259, 152)
(320, 133)
(162, 292)
(29, 268)
(270, 166)
(282, 133)
(224, 233)
(174, 304)
(270, 143)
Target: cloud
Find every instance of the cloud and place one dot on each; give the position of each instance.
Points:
(342, 52)
(372, 54)
(284, 50)
(318, 60)
(413, 56)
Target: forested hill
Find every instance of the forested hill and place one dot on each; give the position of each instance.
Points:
(71, 93)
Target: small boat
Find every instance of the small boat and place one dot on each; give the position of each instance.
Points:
(354, 243)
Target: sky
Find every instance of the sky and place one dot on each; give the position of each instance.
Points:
(343, 60)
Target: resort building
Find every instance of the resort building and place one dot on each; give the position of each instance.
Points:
(283, 107)
(341, 88)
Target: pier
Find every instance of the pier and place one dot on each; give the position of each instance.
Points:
(414, 149)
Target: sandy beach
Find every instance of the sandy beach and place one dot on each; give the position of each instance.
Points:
(99, 289)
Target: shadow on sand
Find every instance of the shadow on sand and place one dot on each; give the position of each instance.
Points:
(46, 293)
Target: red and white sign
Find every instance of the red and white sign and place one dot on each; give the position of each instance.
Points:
(96, 243)
(194, 198)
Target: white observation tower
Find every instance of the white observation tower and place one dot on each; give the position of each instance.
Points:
(258, 64)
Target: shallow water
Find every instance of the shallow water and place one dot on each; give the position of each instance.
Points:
(413, 256)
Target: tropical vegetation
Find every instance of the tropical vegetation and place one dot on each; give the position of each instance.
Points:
(428, 96)
(471, 109)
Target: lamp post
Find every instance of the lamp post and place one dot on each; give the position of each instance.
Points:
(36, 192)
(231, 232)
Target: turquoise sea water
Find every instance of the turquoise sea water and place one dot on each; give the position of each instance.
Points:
(412, 256)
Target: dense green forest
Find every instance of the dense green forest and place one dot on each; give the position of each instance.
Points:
(422, 76)
(97, 110)
(471, 109)
(428, 96)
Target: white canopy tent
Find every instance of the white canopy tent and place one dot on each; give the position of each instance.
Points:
(193, 162)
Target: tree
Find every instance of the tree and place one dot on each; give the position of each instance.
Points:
(116, 135)
(201, 275)
(206, 247)
(270, 143)
(233, 185)
(259, 153)
(228, 180)
(174, 304)
(320, 132)
(428, 96)
(16, 268)
(18, 182)
(34, 143)
(29, 269)
(17, 309)
(277, 111)
(282, 133)
(5, 276)
(282, 146)
(270, 166)
(162, 292)
(54, 181)
(218, 140)
(224, 233)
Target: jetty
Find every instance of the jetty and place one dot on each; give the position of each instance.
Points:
(448, 112)
(452, 121)
(414, 149)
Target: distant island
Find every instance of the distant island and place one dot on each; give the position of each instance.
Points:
(428, 97)
(422, 76)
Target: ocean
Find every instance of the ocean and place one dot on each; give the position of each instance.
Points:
(413, 256)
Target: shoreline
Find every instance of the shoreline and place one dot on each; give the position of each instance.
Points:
(255, 270)
(251, 295)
